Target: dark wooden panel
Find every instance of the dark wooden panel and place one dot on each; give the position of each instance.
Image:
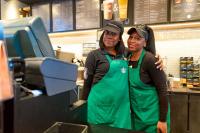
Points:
(194, 113)
(179, 113)
(6, 116)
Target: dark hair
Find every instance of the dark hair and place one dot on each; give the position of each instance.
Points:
(151, 41)
(119, 47)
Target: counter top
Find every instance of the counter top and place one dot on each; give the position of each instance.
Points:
(172, 90)
(184, 90)
(107, 129)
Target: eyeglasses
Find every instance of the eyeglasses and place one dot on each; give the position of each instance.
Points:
(110, 33)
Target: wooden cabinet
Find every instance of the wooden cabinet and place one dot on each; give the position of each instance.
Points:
(185, 112)
(194, 113)
(6, 116)
(179, 113)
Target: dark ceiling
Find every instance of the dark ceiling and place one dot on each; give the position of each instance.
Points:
(34, 1)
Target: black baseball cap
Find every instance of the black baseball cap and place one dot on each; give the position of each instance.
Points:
(114, 26)
(141, 30)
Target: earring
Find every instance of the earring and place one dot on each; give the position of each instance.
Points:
(145, 44)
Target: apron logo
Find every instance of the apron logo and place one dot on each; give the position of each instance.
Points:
(123, 70)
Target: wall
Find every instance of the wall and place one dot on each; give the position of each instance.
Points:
(172, 50)
(171, 43)
(72, 41)
(176, 43)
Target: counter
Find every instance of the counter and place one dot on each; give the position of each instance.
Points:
(106, 129)
(184, 90)
(79, 115)
(185, 110)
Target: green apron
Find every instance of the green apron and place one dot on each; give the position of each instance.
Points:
(144, 102)
(108, 101)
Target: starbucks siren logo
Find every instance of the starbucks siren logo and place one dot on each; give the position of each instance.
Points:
(123, 70)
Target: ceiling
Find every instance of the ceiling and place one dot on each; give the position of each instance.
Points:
(33, 1)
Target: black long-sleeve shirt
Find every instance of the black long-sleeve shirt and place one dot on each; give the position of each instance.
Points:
(96, 66)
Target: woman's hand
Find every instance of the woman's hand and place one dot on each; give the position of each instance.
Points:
(162, 127)
(159, 63)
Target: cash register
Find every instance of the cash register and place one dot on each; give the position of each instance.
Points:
(42, 83)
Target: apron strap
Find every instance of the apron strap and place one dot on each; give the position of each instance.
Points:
(108, 58)
(141, 57)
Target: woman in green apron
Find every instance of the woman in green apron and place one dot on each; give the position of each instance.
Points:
(148, 89)
(106, 80)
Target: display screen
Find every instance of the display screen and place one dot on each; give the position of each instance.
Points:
(150, 11)
(184, 10)
(62, 13)
(42, 10)
(87, 14)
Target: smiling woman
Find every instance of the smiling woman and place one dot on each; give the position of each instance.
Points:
(110, 40)
(135, 42)
(106, 76)
(148, 89)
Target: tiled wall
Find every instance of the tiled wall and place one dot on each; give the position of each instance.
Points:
(170, 44)
(173, 44)
(172, 50)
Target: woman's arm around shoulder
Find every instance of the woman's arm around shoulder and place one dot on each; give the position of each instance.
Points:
(89, 70)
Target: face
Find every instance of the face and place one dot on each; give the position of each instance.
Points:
(135, 42)
(110, 39)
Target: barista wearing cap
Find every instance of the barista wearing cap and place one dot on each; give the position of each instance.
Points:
(106, 80)
(148, 88)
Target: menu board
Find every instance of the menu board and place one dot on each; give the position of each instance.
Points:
(87, 14)
(150, 11)
(88, 47)
(62, 13)
(184, 10)
(42, 10)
